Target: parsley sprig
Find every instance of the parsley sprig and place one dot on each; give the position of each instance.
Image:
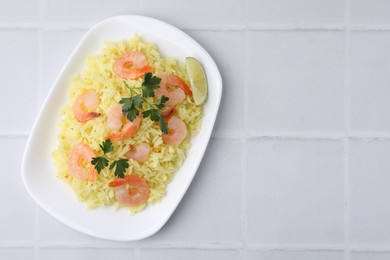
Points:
(132, 104)
(101, 162)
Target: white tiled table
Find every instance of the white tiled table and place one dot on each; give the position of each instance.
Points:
(299, 163)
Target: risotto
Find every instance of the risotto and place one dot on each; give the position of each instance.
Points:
(126, 127)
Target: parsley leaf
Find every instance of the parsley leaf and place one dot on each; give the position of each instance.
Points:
(137, 101)
(106, 146)
(146, 113)
(163, 125)
(127, 104)
(130, 105)
(161, 102)
(156, 116)
(100, 163)
(120, 166)
(131, 114)
(148, 91)
(149, 85)
(153, 113)
(150, 80)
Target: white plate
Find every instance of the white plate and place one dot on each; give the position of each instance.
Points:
(38, 173)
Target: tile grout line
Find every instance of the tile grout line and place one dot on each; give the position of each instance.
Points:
(313, 137)
(244, 144)
(140, 247)
(370, 248)
(244, 161)
(293, 27)
(190, 245)
(346, 198)
(295, 248)
(211, 28)
(298, 136)
(347, 125)
(40, 67)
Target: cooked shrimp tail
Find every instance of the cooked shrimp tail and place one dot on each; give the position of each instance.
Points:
(145, 69)
(174, 80)
(117, 182)
(76, 154)
(86, 101)
(168, 113)
(131, 65)
(131, 190)
(174, 88)
(115, 121)
(128, 130)
(177, 131)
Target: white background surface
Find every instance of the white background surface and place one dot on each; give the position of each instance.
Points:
(298, 166)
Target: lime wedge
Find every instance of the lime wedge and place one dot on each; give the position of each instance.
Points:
(198, 80)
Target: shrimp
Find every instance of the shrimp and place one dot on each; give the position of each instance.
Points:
(140, 154)
(175, 95)
(168, 113)
(177, 131)
(76, 154)
(131, 65)
(116, 120)
(130, 191)
(87, 101)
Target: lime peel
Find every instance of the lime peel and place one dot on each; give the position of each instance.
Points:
(198, 81)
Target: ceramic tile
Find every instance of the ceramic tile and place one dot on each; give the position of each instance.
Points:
(296, 82)
(19, 11)
(189, 254)
(86, 253)
(19, 80)
(230, 120)
(57, 46)
(366, 12)
(294, 255)
(203, 215)
(87, 12)
(16, 253)
(196, 14)
(369, 214)
(295, 192)
(18, 215)
(296, 12)
(369, 82)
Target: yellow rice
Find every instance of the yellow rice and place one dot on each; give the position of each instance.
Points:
(164, 159)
